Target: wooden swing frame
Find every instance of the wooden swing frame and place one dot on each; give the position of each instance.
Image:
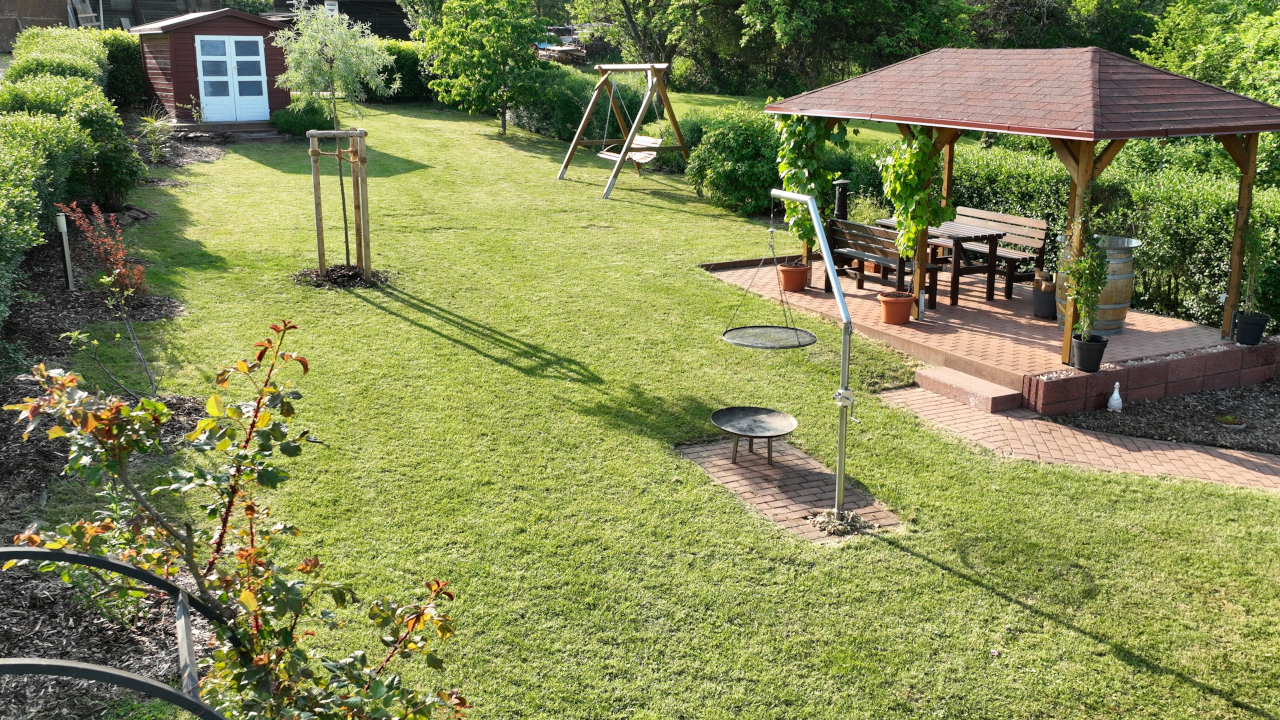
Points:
(356, 155)
(646, 147)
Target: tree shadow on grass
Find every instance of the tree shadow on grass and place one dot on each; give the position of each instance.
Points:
(292, 159)
(1119, 651)
(631, 408)
(494, 345)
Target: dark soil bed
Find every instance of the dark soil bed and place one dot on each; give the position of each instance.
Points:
(1193, 418)
(339, 276)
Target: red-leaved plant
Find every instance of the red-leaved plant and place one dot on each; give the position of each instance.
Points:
(107, 241)
(261, 669)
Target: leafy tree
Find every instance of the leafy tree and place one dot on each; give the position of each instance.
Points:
(647, 30)
(1116, 25)
(483, 52)
(327, 56)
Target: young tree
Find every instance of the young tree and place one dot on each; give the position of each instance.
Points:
(327, 56)
(484, 54)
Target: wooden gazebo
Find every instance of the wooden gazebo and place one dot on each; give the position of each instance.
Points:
(1074, 97)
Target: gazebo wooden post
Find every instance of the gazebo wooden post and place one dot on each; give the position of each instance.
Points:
(1077, 155)
(1246, 156)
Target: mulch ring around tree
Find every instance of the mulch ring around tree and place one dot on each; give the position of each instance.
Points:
(340, 276)
(1203, 418)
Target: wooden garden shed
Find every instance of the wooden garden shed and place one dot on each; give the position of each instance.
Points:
(223, 63)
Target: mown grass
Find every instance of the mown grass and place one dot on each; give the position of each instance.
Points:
(503, 416)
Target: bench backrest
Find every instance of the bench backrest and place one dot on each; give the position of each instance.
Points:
(1027, 232)
(863, 238)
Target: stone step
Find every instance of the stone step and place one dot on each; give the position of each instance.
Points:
(976, 392)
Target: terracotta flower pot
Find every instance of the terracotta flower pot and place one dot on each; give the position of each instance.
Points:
(895, 307)
(794, 277)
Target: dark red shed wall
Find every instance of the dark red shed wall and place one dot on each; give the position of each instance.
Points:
(182, 55)
(155, 58)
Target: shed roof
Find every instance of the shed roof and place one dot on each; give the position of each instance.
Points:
(181, 21)
(1072, 93)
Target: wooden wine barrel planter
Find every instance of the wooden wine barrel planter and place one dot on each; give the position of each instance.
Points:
(1113, 307)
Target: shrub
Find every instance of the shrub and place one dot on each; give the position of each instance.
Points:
(406, 67)
(61, 148)
(116, 168)
(59, 40)
(68, 66)
(306, 113)
(736, 162)
(19, 216)
(107, 242)
(253, 7)
(562, 97)
(692, 126)
(126, 83)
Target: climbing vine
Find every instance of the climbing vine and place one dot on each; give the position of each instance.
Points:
(911, 171)
(1086, 277)
(800, 166)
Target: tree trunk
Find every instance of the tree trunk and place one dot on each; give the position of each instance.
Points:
(503, 117)
(342, 188)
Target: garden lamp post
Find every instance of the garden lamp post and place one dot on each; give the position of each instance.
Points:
(843, 396)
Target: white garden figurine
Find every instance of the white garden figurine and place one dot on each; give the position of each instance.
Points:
(1114, 403)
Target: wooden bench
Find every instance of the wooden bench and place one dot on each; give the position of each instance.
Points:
(1023, 243)
(852, 243)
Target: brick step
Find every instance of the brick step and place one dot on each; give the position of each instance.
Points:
(249, 126)
(972, 391)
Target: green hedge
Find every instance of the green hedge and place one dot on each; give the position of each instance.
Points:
(33, 64)
(301, 116)
(126, 83)
(565, 92)
(692, 127)
(116, 168)
(58, 40)
(736, 162)
(41, 154)
(407, 68)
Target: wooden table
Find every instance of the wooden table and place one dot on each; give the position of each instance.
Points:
(962, 240)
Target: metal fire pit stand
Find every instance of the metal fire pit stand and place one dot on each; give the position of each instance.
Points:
(843, 396)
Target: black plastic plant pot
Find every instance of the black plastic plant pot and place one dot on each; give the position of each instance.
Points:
(1250, 326)
(1086, 355)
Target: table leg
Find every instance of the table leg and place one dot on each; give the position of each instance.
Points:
(735, 449)
(751, 445)
(770, 451)
(991, 269)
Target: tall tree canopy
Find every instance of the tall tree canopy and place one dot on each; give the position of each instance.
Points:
(647, 30)
(483, 52)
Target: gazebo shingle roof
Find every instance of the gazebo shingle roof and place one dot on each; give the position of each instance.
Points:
(1073, 93)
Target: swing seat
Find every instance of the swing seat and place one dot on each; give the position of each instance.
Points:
(642, 157)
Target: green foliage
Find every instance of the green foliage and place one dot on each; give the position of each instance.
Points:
(154, 128)
(693, 125)
(116, 168)
(913, 183)
(482, 53)
(646, 30)
(305, 113)
(407, 71)
(126, 82)
(253, 7)
(562, 97)
(802, 142)
(68, 66)
(20, 211)
(328, 56)
(736, 162)
(82, 43)
(1086, 278)
(261, 667)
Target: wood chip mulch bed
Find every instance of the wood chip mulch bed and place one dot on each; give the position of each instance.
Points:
(339, 276)
(1193, 418)
(39, 615)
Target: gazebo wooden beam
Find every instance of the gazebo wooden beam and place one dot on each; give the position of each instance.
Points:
(1105, 157)
(1246, 156)
(1082, 153)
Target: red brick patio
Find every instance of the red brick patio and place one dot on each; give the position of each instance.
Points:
(1001, 342)
(789, 492)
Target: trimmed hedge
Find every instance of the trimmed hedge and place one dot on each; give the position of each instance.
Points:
(70, 66)
(301, 116)
(407, 67)
(126, 83)
(59, 40)
(41, 153)
(736, 162)
(558, 109)
(116, 168)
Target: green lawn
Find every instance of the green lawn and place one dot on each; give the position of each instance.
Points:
(503, 416)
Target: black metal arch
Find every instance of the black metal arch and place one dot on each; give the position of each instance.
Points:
(112, 676)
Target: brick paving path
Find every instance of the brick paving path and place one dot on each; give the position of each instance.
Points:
(997, 340)
(795, 488)
(1019, 433)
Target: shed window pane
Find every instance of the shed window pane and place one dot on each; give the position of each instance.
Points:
(247, 48)
(249, 68)
(250, 88)
(214, 68)
(217, 88)
(213, 48)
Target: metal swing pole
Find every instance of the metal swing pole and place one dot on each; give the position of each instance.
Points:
(843, 396)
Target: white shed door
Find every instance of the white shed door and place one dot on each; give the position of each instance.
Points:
(233, 78)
